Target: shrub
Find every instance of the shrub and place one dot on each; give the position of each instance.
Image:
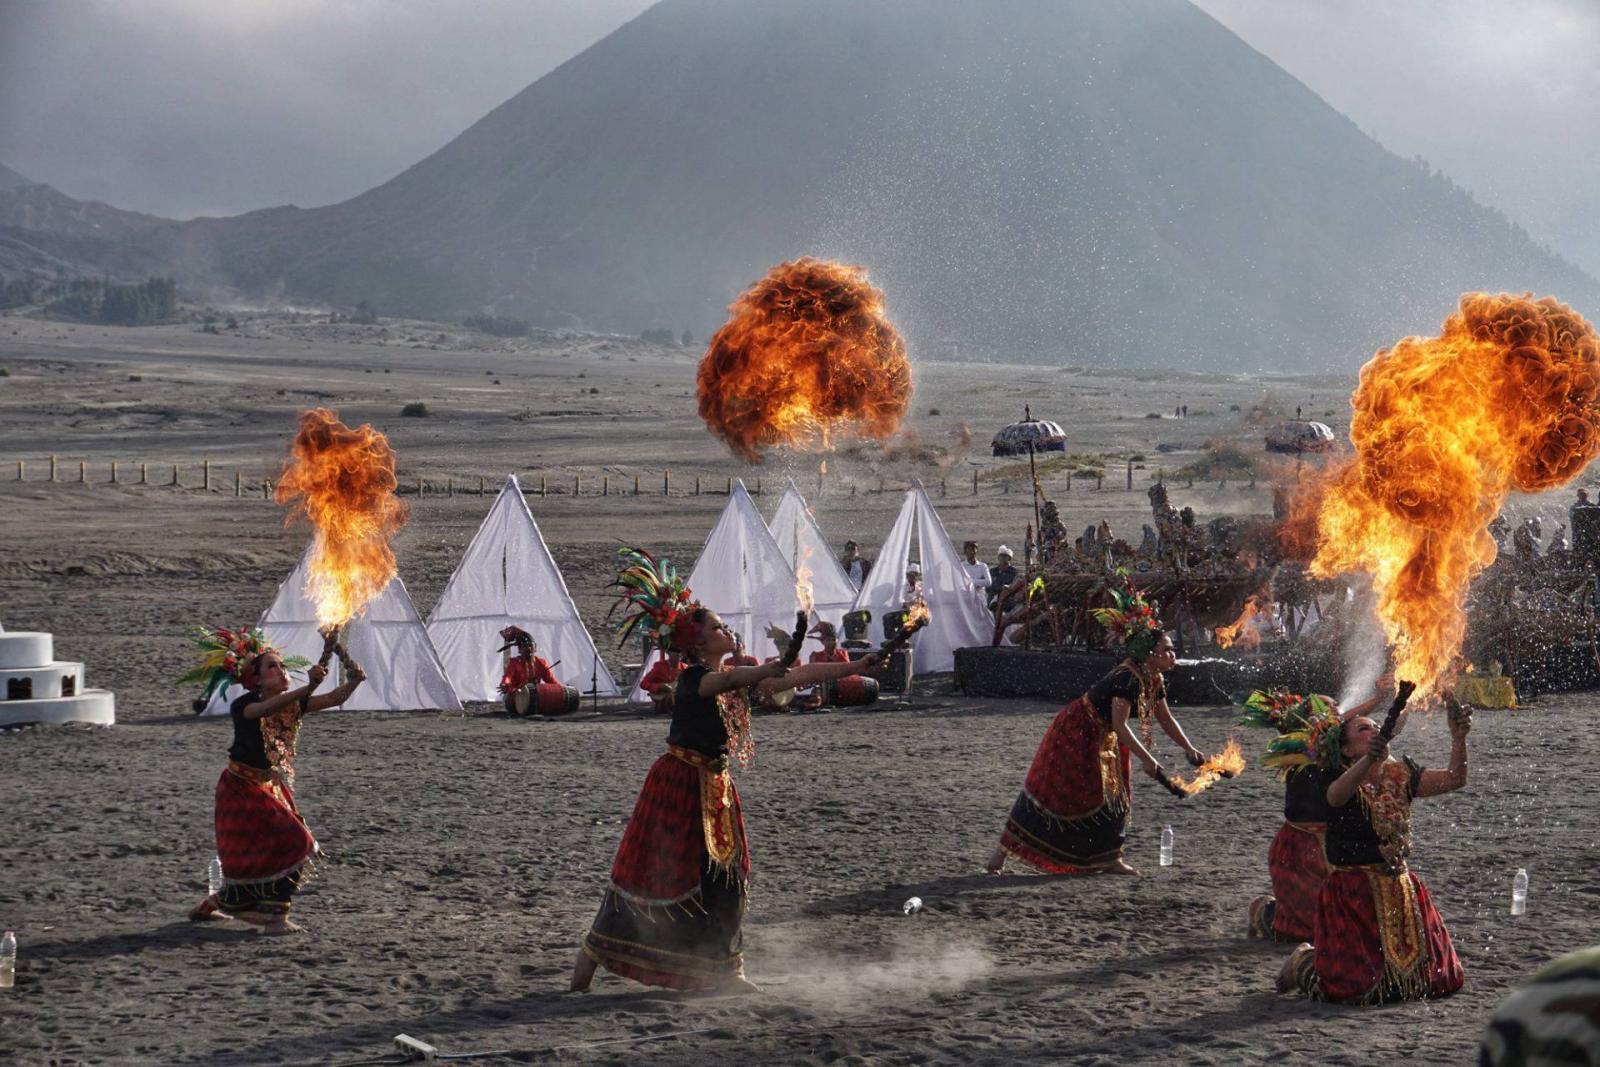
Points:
(594, 390)
(933, 411)
(1152, 414)
(498, 325)
(658, 337)
(415, 410)
(135, 377)
(4, 373)
(364, 315)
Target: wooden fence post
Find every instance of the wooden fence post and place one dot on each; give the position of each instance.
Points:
(974, 483)
(576, 485)
(83, 471)
(113, 472)
(542, 491)
(419, 485)
(175, 474)
(480, 485)
(666, 483)
(450, 486)
(21, 465)
(142, 474)
(1099, 481)
(696, 485)
(1069, 481)
(605, 485)
(635, 485)
(266, 489)
(52, 468)
(205, 466)
(730, 486)
(1130, 475)
(238, 483)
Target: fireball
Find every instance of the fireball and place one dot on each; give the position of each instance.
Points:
(343, 481)
(1507, 397)
(807, 353)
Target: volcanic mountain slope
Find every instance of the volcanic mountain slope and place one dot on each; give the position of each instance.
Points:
(43, 229)
(1072, 181)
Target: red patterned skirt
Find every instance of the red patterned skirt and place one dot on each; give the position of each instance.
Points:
(1378, 939)
(1072, 814)
(1298, 865)
(262, 841)
(673, 913)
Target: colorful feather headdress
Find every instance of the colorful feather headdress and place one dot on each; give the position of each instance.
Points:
(226, 654)
(654, 597)
(1131, 621)
(1308, 729)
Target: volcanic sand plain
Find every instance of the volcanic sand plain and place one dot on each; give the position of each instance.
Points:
(466, 853)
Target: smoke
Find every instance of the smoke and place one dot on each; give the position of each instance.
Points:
(917, 967)
(1365, 649)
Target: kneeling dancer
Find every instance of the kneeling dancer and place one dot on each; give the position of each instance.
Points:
(1297, 861)
(673, 912)
(263, 843)
(1072, 814)
(1377, 937)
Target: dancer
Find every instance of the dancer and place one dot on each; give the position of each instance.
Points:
(265, 847)
(661, 680)
(1297, 861)
(524, 671)
(1072, 814)
(1378, 937)
(672, 914)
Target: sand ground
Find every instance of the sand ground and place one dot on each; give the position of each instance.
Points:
(466, 853)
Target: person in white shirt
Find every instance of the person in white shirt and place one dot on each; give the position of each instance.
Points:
(977, 570)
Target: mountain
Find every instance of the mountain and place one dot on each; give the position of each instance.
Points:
(1064, 181)
(42, 230)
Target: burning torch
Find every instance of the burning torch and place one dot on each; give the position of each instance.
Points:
(917, 617)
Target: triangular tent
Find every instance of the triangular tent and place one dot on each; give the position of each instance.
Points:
(801, 542)
(508, 578)
(741, 574)
(388, 640)
(957, 615)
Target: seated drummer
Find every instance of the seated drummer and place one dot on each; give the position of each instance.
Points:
(660, 682)
(739, 657)
(523, 671)
(830, 652)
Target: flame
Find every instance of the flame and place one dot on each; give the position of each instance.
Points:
(343, 480)
(807, 352)
(1225, 764)
(917, 616)
(1239, 632)
(802, 580)
(1444, 428)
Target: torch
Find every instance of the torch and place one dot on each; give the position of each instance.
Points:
(1391, 721)
(791, 651)
(916, 618)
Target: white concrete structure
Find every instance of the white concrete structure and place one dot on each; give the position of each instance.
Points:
(35, 687)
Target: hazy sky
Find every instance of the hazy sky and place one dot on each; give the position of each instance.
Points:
(185, 107)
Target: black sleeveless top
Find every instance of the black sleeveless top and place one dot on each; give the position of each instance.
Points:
(696, 720)
(249, 748)
(1352, 842)
(1122, 682)
(1305, 795)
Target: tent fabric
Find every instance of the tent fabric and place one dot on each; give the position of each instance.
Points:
(388, 640)
(507, 577)
(742, 575)
(957, 615)
(1291, 437)
(801, 541)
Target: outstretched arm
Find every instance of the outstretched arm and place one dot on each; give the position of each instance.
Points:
(1120, 710)
(1433, 783)
(812, 673)
(716, 682)
(272, 705)
(1171, 727)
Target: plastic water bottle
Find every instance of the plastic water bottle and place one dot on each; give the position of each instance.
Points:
(8, 960)
(912, 906)
(1166, 845)
(214, 875)
(1519, 892)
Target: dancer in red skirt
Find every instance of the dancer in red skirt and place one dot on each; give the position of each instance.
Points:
(1377, 936)
(673, 912)
(265, 847)
(1297, 861)
(1072, 814)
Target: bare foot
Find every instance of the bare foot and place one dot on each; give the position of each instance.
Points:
(206, 911)
(739, 985)
(1286, 976)
(281, 925)
(996, 862)
(1121, 867)
(582, 972)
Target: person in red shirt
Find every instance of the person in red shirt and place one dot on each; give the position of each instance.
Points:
(830, 652)
(523, 671)
(660, 681)
(740, 657)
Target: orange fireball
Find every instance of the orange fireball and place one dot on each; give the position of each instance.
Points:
(807, 352)
(343, 480)
(1506, 398)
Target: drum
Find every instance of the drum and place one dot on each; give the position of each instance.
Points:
(555, 699)
(854, 691)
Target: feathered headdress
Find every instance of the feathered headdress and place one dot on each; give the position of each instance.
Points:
(226, 654)
(654, 597)
(1308, 729)
(1131, 621)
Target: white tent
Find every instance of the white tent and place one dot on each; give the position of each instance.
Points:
(388, 640)
(958, 617)
(507, 578)
(742, 575)
(801, 541)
